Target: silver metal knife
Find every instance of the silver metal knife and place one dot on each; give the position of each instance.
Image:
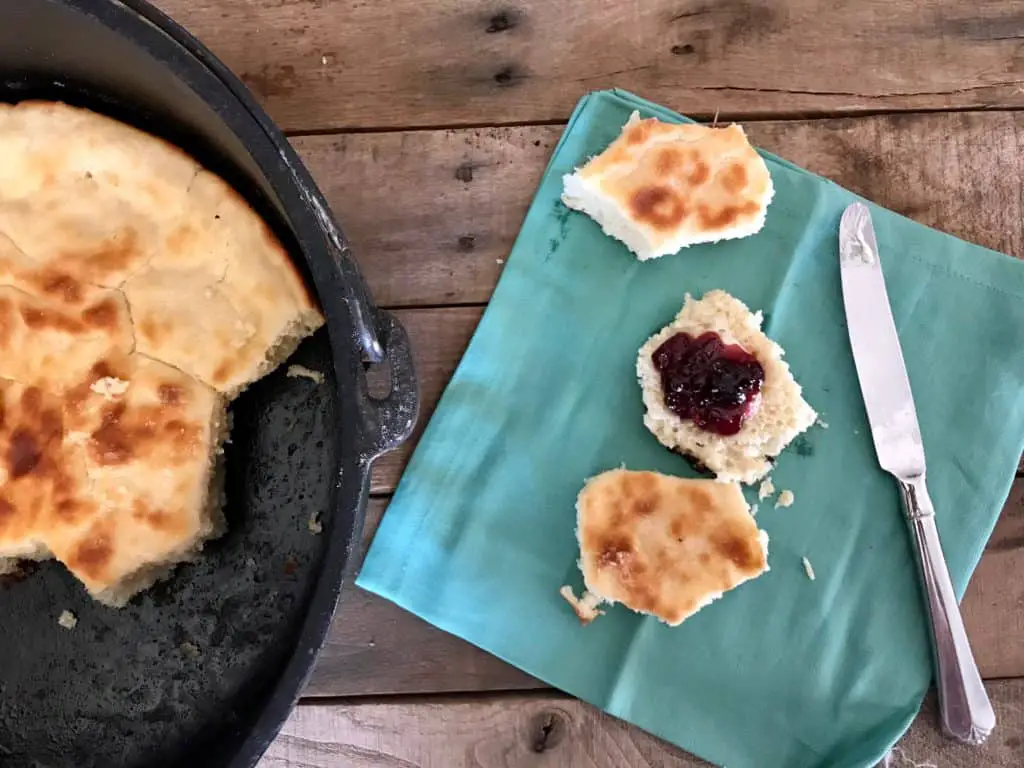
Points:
(964, 706)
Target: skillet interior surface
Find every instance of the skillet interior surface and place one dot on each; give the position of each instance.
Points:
(180, 663)
(179, 676)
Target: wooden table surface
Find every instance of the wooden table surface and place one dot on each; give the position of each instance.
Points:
(428, 122)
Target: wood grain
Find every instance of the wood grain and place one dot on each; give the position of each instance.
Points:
(430, 213)
(433, 213)
(993, 606)
(319, 65)
(376, 648)
(548, 730)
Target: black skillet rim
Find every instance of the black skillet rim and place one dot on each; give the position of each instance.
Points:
(357, 329)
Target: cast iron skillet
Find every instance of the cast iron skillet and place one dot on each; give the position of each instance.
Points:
(203, 669)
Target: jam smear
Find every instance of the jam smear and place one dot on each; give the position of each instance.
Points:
(713, 384)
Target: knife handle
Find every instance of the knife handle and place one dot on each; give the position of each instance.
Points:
(964, 705)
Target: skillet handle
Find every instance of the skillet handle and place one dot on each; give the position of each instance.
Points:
(389, 421)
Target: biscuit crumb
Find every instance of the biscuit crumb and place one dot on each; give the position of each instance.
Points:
(77, 438)
(808, 569)
(315, 526)
(766, 489)
(190, 649)
(499, 261)
(68, 620)
(786, 499)
(753, 509)
(109, 387)
(897, 757)
(585, 607)
(302, 372)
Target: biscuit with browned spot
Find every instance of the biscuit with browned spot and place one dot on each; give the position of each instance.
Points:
(138, 293)
(660, 187)
(684, 545)
(148, 452)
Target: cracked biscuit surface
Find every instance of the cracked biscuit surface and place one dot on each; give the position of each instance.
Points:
(138, 295)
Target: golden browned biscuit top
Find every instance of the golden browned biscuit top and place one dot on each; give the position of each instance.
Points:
(664, 545)
(138, 293)
(689, 181)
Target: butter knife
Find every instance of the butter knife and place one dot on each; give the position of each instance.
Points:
(964, 706)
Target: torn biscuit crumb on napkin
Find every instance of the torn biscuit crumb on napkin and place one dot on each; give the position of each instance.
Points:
(783, 671)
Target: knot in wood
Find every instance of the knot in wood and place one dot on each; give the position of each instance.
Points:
(547, 729)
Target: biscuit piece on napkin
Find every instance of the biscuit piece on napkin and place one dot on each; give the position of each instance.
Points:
(660, 187)
(665, 546)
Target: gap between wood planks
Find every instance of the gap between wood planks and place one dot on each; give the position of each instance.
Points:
(317, 65)
(701, 116)
(550, 729)
(432, 215)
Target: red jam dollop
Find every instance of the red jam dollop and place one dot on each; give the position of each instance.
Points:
(713, 384)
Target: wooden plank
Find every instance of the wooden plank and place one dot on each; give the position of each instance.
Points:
(431, 213)
(539, 730)
(377, 648)
(993, 606)
(318, 64)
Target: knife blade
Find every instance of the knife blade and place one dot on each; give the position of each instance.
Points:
(964, 706)
(876, 348)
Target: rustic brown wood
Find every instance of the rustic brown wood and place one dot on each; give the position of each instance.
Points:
(320, 65)
(433, 213)
(539, 730)
(376, 648)
(993, 606)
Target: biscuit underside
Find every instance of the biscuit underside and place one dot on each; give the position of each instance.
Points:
(593, 600)
(660, 187)
(780, 416)
(588, 198)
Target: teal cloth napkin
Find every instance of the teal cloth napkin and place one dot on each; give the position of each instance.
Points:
(784, 671)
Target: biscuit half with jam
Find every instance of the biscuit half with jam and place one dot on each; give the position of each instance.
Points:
(718, 391)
